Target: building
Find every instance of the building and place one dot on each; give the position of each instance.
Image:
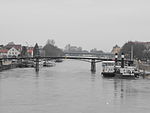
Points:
(30, 51)
(3, 53)
(146, 44)
(13, 52)
(116, 49)
(16, 46)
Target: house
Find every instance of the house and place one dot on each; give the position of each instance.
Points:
(30, 51)
(3, 53)
(12, 44)
(13, 52)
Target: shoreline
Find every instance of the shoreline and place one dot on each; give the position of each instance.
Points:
(7, 67)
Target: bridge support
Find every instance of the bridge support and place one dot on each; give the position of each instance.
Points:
(93, 66)
(37, 65)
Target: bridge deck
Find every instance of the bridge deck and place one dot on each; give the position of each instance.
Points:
(62, 57)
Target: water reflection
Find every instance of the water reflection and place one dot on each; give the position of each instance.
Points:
(93, 77)
(125, 88)
(118, 88)
(37, 74)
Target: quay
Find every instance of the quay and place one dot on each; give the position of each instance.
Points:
(7, 65)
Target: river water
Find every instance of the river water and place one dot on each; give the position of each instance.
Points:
(70, 87)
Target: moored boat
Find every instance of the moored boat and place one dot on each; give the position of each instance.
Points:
(48, 64)
(108, 68)
(117, 70)
(58, 60)
(127, 72)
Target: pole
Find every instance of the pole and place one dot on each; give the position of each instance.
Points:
(116, 59)
(122, 60)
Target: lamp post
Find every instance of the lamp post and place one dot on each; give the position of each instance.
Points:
(116, 58)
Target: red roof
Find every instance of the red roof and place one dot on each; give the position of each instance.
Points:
(3, 50)
(18, 47)
(29, 50)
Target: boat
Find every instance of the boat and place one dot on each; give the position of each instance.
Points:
(108, 68)
(25, 64)
(127, 72)
(58, 60)
(48, 63)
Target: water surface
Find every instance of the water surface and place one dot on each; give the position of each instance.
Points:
(70, 87)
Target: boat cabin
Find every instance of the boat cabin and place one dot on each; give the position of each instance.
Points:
(108, 68)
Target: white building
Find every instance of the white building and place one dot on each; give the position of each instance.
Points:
(13, 52)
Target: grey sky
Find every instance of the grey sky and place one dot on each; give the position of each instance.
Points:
(88, 23)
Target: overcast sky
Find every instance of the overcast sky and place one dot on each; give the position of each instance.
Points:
(87, 23)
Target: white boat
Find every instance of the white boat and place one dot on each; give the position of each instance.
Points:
(127, 72)
(48, 63)
(108, 68)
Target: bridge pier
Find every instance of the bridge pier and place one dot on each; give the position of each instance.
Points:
(93, 66)
(37, 65)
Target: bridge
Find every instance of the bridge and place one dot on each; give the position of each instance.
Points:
(105, 55)
(92, 60)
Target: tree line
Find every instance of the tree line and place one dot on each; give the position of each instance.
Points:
(141, 50)
(48, 50)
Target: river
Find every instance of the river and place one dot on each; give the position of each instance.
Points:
(70, 87)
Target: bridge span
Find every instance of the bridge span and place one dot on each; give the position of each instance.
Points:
(104, 55)
(92, 60)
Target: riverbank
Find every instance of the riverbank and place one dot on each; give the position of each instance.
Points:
(8, 65)
(145, 67)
